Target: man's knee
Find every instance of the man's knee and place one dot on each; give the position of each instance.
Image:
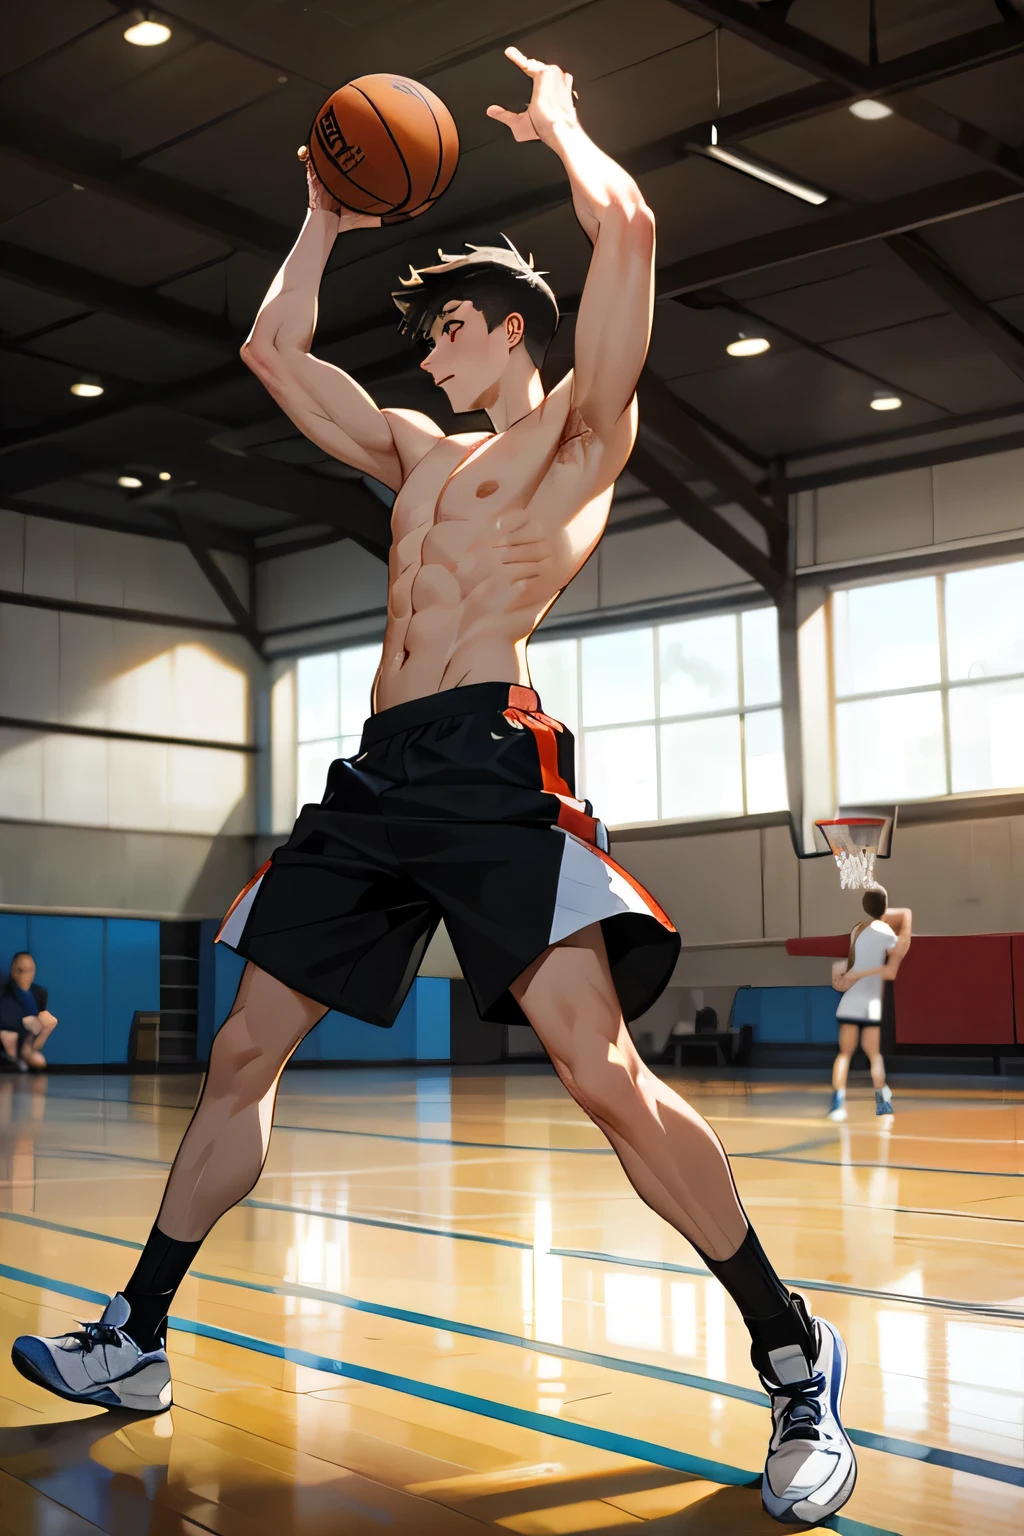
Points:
(239, 1063)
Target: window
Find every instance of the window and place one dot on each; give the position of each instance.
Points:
(333, 701)
(672, 721)
(929, 679)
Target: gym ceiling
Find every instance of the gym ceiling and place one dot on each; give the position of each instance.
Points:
(147, 195)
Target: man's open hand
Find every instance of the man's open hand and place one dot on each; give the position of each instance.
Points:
(551, 104)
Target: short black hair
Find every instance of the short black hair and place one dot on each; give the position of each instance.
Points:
(875, 901)
(495, 279)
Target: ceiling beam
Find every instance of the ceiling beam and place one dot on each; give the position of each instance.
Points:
(190, 531)
(814, 237)
(217, 537)
(893, 80)
(667, 417)
(141, 306)
(803, 50)
(345, 505)
(57, 151)
(999, 335)
(646, 463)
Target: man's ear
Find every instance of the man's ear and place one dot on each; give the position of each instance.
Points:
(514, 330)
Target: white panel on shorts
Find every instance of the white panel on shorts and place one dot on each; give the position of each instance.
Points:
(231, 932)
(589, 889)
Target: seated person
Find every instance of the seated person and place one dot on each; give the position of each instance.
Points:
(25, 1021)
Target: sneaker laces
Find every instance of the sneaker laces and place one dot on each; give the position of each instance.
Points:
(92, 1335)
(803, 1411)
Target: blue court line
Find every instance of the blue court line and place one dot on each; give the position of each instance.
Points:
(782, 1155)
(664, 1266)
(910, 1449)
(542, 1423)
(598, 1257)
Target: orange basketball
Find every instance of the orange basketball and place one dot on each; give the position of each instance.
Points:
(386, 145)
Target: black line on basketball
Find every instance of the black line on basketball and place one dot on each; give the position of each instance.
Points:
(398, 148)
(388, 207)
(440, 150)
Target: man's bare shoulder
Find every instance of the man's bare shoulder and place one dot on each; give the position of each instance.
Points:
(413, 434)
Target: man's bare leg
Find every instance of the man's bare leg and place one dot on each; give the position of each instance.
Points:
(670, 1155)
(223, 1151)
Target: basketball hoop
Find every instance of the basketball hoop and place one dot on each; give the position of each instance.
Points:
(854, 843)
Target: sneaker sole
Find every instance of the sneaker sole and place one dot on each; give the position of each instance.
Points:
(787, 1514)
(104, 1398)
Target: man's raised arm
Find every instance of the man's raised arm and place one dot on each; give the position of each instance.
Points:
(613, 326)
(330, 408)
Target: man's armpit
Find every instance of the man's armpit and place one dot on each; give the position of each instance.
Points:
(576, 438)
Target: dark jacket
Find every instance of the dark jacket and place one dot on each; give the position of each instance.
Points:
(11, 1010)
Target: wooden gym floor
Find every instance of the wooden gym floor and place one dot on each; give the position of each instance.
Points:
(444, 1311)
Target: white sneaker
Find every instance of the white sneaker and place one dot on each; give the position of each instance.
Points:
(838, 1109)
(811, 1469)
(101, 1365)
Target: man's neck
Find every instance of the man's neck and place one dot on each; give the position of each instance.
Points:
(519, 393)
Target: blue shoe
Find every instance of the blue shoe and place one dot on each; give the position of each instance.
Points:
(883, 1101)
(811, 1468)
(838, 1109)
(99, 1365)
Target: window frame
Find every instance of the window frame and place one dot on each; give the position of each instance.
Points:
(944, 686)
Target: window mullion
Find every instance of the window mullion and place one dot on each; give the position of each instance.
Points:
(740, 703)
(947, 744)
(656, 656)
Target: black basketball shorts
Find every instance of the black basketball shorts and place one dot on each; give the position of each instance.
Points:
(460, 806)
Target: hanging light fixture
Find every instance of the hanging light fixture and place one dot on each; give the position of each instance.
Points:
(870, 111)
(129, 482)
(751, 165)
(885, 400)
(88, 387)
(146, 33)
(748, 346)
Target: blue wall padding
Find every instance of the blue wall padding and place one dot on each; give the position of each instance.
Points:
(98, 971)
(422, 1031)
(69, 957)
(132, 979)
(788, 1015)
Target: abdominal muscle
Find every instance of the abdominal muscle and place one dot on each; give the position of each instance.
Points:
(452, 623)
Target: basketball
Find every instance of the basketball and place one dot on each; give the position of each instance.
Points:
(384, 145)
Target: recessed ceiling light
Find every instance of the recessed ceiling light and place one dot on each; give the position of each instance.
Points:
(164, 474)
(146, 33)
(738, 161)
(885, 400)
(88, 389)
(748, 346)
(129, 482)
(870, 111)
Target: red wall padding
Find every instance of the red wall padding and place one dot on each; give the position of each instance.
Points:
(956, 991)
(1017, 961)
(966, 989)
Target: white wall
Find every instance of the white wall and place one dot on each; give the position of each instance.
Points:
(121, 675)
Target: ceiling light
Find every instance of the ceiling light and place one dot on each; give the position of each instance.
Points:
(870, 111)
(129, 482)
(88, 389)
(885, 400)
(164, 474)
(145, 33)
(738, 161)
(748, 346)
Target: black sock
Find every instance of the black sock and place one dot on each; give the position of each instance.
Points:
(773, 1315)
(163, 1265)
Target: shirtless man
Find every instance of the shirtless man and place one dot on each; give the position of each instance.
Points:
(460, 802)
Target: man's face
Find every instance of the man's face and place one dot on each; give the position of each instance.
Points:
(23, 972)
(464, 358)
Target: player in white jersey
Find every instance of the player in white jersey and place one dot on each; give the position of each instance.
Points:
(876, 950)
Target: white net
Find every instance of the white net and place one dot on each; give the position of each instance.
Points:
(856, 869)
(854, 846)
